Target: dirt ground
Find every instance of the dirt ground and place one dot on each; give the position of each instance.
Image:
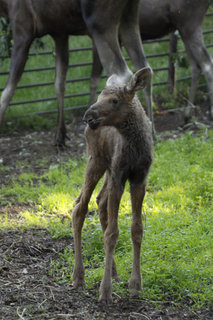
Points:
(27, 291)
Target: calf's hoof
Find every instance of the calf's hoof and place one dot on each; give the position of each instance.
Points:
(134, 293)
(135, 287)
(105, 294)
(78, 285)
(78, 282)
(105, 300)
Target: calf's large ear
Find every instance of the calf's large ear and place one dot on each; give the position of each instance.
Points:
(139, 80)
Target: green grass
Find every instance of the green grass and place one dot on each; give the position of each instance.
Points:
(177, 251)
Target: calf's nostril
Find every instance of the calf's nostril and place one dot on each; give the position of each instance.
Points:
(88, 118)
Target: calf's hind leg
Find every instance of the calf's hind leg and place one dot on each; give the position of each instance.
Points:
(137, 196)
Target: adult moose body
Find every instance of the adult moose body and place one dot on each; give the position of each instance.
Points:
(157, 18)
(100, 19)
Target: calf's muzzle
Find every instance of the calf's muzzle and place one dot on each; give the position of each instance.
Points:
(91, 118)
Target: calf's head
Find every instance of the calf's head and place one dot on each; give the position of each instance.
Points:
(116, 101)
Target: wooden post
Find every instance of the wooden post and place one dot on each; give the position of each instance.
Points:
(172, 70)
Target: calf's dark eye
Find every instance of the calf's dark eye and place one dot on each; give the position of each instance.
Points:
(115, 101)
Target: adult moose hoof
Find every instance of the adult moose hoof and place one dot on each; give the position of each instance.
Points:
(211, 112)
(60, 138)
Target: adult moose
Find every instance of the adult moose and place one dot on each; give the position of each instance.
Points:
(100, 19)
(157, 18)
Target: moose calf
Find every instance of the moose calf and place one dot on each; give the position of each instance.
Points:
(119, 144)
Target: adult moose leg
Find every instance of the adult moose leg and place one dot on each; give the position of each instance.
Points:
(137, 196)
(94, 172)
(103, 25)
(62, 58)
(197, 51)
(95, 74)
(196, 72)
(18, 61)
(131, 39)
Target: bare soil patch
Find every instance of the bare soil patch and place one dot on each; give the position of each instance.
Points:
(29, 292)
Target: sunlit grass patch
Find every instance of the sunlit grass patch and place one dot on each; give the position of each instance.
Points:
(33, 219)
(22, 218)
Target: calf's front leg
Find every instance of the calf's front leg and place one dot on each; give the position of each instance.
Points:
(93, 173)
(102, 200)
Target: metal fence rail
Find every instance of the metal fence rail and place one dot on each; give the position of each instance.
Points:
(87, 78)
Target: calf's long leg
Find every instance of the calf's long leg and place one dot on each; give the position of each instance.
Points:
(137, 196)
(93, 173)
(110, 239)
(18, 61)
(62, 58)
(102, 201)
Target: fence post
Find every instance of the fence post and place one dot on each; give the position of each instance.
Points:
(172, 70)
